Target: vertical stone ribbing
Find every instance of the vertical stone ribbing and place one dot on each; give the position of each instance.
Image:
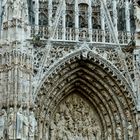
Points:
(64, 21)
(76, 20)
(102, 21)
(115, 16)
(90, 20)
(127, 15)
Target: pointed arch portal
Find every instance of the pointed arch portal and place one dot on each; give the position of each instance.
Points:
(85, 97)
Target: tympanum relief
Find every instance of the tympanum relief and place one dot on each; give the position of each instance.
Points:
(75, 119)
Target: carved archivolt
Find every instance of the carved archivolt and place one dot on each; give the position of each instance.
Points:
(100, 84)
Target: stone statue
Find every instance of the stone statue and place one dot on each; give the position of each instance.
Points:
(19, 123)
(8, 9)
(117, 118)
(11, 124)
(32, 125)
(4, 5)
(17, 9)
(25, 124)
(128, 115)
(24, 10)
(130, 131)
(119, 132)
(2, 123)
(109, 134)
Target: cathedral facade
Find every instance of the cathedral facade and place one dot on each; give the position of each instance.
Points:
(69, 70)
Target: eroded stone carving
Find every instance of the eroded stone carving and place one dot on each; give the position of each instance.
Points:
(108, 134)
(15, 9)
(11, 124)
(3, 116)
(130, 131)
(75, 119)
(32, 125)
(119, 132)
(19, 123)
(25, 124)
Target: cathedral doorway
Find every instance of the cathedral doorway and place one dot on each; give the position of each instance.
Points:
(85, 98)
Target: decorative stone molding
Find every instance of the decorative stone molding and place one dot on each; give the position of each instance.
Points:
(97, 80)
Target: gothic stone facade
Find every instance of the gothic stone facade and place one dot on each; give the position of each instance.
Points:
(70, 70)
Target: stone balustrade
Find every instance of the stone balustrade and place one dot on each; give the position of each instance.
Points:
(69, 34)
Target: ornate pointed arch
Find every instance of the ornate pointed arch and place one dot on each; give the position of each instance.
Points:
(91, 77)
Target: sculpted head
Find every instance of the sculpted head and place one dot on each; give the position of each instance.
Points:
(11, 109)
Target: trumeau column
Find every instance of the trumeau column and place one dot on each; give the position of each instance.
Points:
(90, 20)
(127, 16)
(76, 20)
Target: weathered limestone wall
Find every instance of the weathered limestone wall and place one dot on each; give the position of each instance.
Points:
(0, 16)
(38, 77)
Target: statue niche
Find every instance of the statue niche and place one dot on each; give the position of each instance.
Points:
(74, 119)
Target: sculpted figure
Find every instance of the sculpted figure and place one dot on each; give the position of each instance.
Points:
(119, 132)
(17, 9)
(91, 134)
(24, 10)
(19, 121)
(53, 132)
(128, 114)
(117, 118)
(109, 134)
(68, 130)
(2, 123)
(32, 125)
(11, 124)
(130, 131)
(8, 9)
(25, 124)
(61, 128)
(75, 120)
(97, 131)
(5, 8)
(54, 125)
